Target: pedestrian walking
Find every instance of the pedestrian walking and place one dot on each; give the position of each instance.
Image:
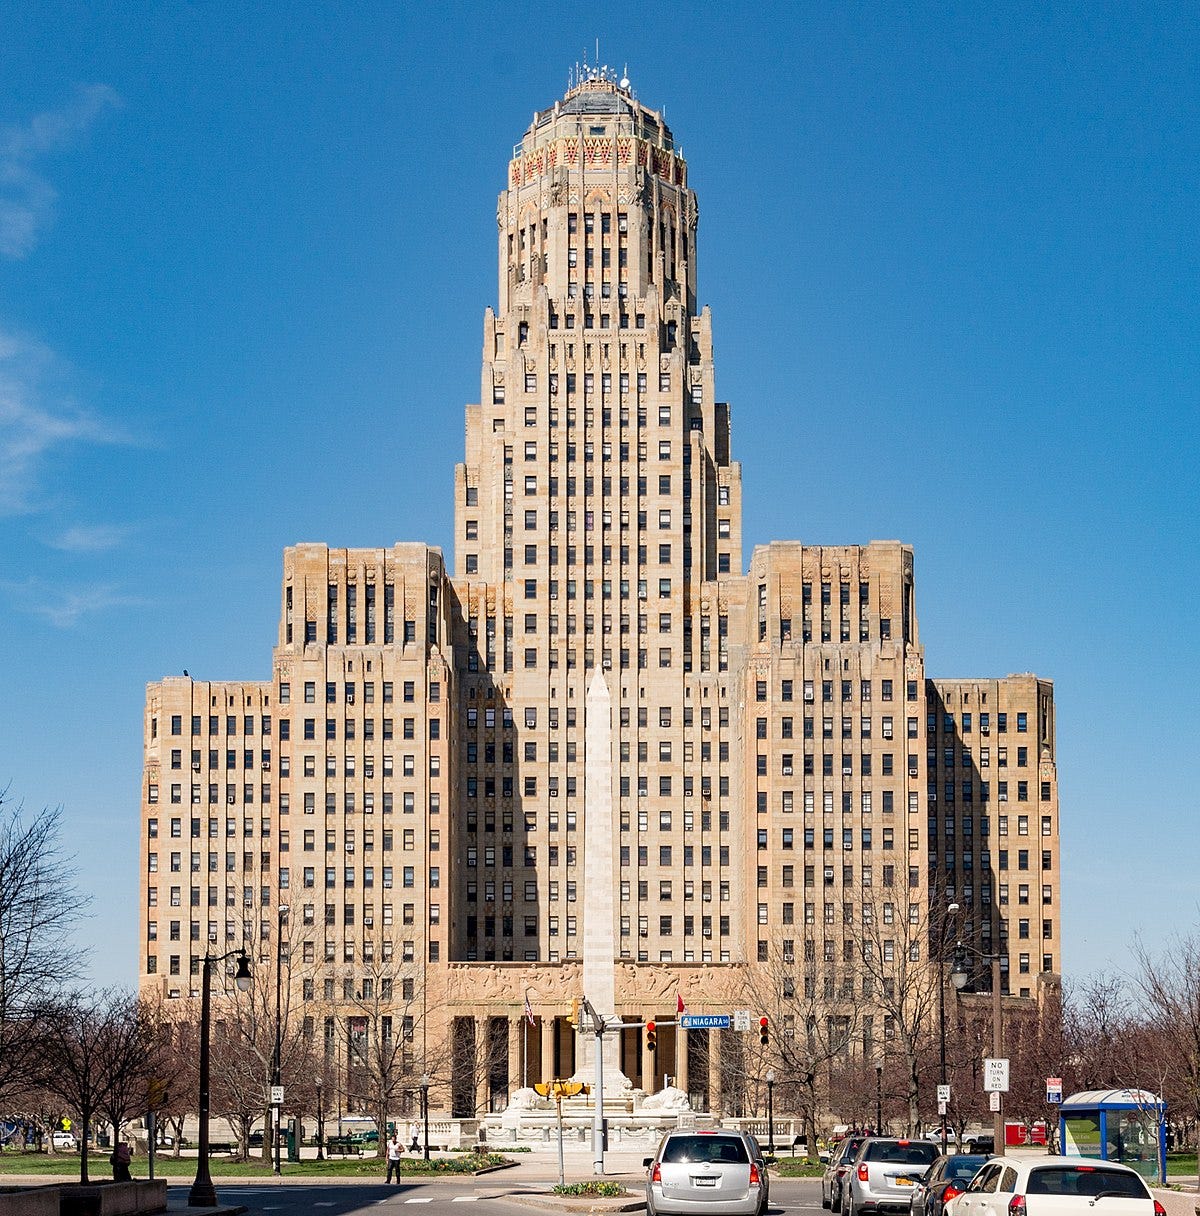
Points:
(394, 1153)
(120, 1160)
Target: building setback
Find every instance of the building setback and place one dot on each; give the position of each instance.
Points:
(404, 799)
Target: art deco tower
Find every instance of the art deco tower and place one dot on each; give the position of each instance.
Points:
(596, 510)
(790, 793)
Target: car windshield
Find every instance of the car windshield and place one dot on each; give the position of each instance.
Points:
(900, 1152)
(1085, 1180)
(728, 1149)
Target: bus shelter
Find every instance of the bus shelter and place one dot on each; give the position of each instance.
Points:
(1125, 1125)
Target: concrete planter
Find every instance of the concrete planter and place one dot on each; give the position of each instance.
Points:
(113, 1198)
(30, 1201)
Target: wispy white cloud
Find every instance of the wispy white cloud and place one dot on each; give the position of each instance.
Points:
(26, 197)
(89, 538)
(38, 414)
(65, 607)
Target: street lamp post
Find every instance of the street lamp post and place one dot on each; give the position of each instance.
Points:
(320, 1125)
(950, 910)
(879, 1099)
(960, 977)
(425, 1084)
(771, 1111)
(277, 1058)
(203, 1194)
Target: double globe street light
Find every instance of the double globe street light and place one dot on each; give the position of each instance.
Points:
(203, 1194)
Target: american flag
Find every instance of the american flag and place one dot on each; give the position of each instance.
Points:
(680, 1007)
(528, 1010)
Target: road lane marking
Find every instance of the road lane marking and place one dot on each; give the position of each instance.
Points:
(465, 1199)
(418, 1200)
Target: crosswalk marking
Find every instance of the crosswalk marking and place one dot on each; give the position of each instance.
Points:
(465, 1199)
(420, 1200)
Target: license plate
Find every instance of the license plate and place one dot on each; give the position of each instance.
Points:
(703, 1180)
(904, 1182)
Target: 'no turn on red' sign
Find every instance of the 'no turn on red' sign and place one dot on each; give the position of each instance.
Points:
(995, 1076)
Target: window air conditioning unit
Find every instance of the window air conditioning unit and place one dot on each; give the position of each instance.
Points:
(232, 799)
(195, 766)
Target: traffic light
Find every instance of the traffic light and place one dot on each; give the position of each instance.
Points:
(651, 1036)
(764, 1032)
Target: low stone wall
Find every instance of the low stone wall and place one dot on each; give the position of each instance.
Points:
(30, 1201)
(113, 1198)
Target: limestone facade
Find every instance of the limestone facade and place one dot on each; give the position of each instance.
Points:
(408, 786)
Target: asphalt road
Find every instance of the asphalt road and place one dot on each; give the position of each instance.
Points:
(500, 1197)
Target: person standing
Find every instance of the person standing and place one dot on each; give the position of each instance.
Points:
(122, 1157)
(394, 1153)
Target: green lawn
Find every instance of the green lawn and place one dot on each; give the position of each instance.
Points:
(66, 1165)
(796, 1167)
(1181, 1163)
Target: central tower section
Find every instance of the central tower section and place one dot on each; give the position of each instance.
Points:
(596, 504)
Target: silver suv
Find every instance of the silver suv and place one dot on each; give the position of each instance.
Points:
(719, 1173)
(881, 1178)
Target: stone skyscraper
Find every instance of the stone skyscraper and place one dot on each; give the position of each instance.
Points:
(405, 795)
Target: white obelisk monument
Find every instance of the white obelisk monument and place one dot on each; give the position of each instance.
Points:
(599, 889)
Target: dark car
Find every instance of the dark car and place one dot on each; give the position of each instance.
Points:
(835, 1171)
(947, 1176)
(979, 1142)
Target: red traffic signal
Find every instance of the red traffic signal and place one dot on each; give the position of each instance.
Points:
(651, 1036)
(764, 1035)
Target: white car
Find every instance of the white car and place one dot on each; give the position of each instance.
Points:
(1055, 1186)
(63, 1142)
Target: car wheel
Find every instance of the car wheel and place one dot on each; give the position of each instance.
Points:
(824, 1201)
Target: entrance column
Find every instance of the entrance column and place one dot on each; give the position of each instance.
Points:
(518, 1065)
(681, 1059)
(483, 1057)
(546, 1063)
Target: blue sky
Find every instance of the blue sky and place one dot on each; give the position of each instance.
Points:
(952, 258)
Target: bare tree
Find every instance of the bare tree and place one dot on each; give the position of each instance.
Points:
(177, 1054)
(130, 1058)
(902, 982)
(1098, 1018)
(383, 1015)
(1168, 986)
(38, 908)
(243, 1054)
(90, 1057)
(814, 1018)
